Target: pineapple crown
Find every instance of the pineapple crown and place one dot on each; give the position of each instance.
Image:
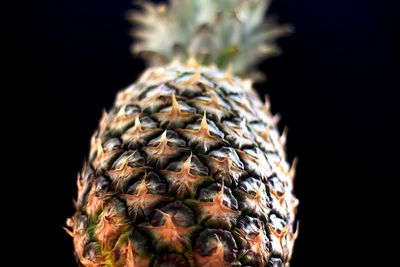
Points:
(220, 32)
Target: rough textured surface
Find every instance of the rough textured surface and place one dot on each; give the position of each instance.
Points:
(187, 169)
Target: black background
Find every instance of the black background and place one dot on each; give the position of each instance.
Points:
(336, 87)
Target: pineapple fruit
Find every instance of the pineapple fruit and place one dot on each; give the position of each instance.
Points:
(188, 167)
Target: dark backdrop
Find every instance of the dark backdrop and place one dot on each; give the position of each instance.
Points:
(335, 85)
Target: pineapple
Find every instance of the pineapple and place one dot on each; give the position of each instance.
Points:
(188, 167)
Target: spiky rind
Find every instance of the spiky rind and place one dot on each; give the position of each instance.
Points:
(171, 181)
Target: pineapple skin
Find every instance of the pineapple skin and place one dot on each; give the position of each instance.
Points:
(187, 169)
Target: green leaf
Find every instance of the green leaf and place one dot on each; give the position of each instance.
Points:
(227, 55)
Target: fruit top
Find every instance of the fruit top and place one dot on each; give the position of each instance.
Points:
(219, 32)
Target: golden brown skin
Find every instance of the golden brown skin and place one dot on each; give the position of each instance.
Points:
(187, 169)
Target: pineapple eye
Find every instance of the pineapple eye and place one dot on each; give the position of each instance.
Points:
(92, 251)
(276, 185)
(277, 223)
(215, 245)
(182, 215)
(101, 184)
(153, 183)
(207, 194)
(275, 262)
(112, 144)
(82, 222)
(131, 109)
(252, 186)
(228, 152)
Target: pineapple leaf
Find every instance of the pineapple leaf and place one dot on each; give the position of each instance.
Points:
(220, 32)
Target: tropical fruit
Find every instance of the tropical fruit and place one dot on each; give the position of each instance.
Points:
(188, 167)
